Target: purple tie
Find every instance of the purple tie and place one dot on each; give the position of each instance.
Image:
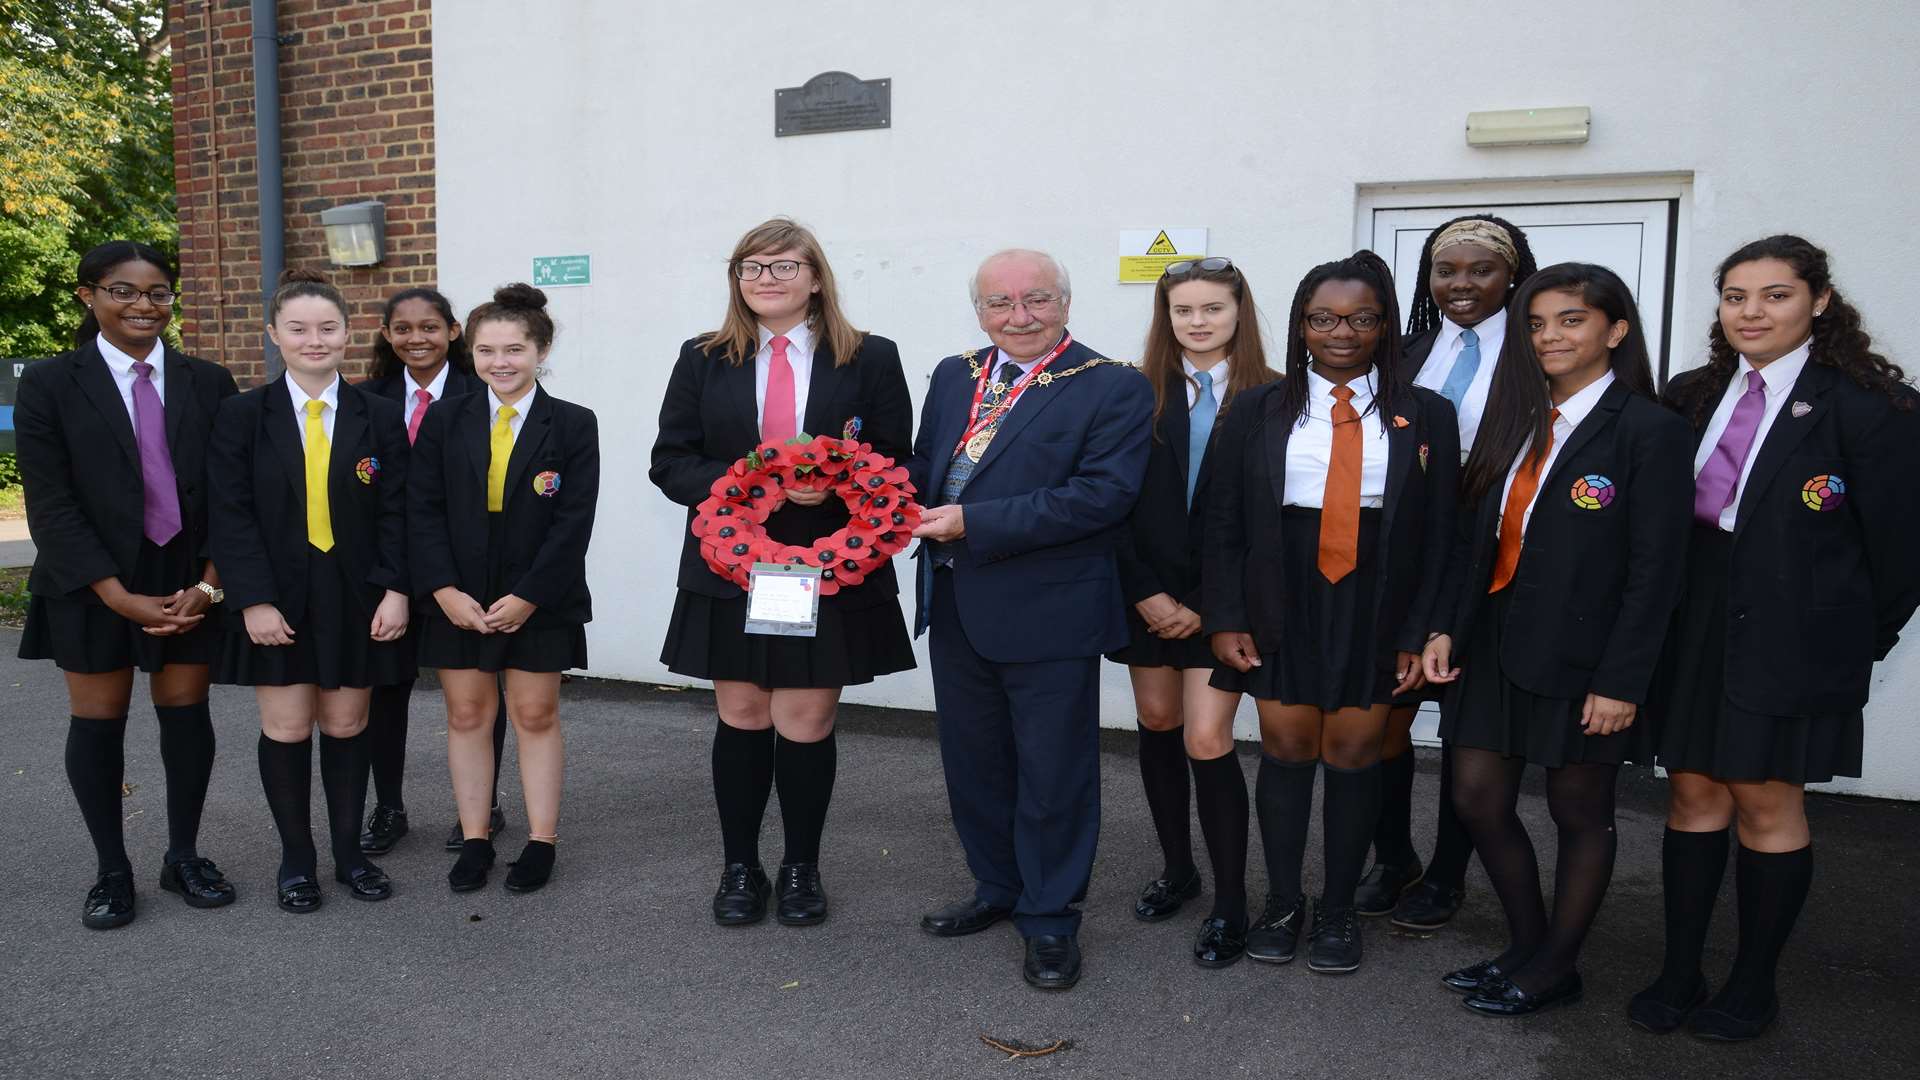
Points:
(161, 520)
(1713, 489)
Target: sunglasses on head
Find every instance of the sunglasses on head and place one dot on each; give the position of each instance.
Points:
(1187, 266)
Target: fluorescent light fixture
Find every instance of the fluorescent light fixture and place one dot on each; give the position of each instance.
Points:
(356, 233)
(1529, 127)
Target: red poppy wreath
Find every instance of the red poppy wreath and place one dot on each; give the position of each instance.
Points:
(731, 522)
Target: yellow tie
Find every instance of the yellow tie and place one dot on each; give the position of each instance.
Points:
(502, 448)
(319, 517)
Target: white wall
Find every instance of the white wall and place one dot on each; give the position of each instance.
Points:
(642, 134)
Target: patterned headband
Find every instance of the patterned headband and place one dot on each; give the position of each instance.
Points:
(1478, 231)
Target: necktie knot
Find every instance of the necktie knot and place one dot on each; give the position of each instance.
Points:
(145, 370)
(779, 343)
(1343, 394)
(315, 408)
(1205, 379)
(1756, 383)
(508, 412)
(1553, 417)
(1469, 336)
(424, 397)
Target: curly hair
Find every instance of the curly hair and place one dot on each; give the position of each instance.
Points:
(1424, 315)
(1370, 270)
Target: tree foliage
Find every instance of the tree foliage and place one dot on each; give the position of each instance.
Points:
(86, 152)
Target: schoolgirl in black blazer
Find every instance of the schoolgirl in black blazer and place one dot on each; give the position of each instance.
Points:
(113, 462)
(1469, 268)
(1203, 349)
(1557, 599)
(1322, 559)
(500, 515)
(784, 340)
(1800, 575)
(316, 587)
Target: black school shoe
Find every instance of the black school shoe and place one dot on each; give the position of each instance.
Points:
(1162, 897)
(802, 900)
(470, 870)
(496, 824)
(1507, 1000)
(1219, 944)
(1383, 886)
(1650, 1011)
(1474, 978)
(741, 899)
(1333, 948)
(110, 902)
(1276, 937)
(198, 882)
(532, 869)
(385, 827)
(365, 882)
(1717, 1020)
(1428, 906)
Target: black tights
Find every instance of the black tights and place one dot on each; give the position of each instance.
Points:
(1542, 948)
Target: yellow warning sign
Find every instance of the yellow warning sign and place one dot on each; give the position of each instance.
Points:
(1162, 245)
(1145, 253)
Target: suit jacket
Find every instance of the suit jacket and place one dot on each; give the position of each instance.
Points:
(257, 473)
(546, 528)
(1242, 576)
(1413, 354)
(708, 421)
(1036, 575)
(395, 386)
(80, 464)
(1161, 553)
(1595, 588)
(1815, 596)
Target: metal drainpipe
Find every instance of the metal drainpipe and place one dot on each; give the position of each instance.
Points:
(266, 141)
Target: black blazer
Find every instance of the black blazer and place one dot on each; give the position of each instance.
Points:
(546, 528)
(1161, 552)
(1413, 353)
(1241, 576)
(1595, 588)
(80, 465)
(256, 471)
(1815, 597)
(708, 421)
(396, 387)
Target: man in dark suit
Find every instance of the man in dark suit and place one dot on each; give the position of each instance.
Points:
(1029, 457)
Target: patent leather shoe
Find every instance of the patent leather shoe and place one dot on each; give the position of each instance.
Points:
(385, 827)
(198, 882)
(470, 869)
(1473, 977)
(1427, 906)
(1650, 1011)
(1162, 897)
(1383, 886)
(1053, 962)
(969, 916)
(802, 900)
(299, 895)
(365, 882)
(742, 896)
(1275, 939)
(1504, 999)
(1219, 944)
(496, 824)
(110, 902)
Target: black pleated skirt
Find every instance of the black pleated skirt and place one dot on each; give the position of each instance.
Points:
(1699, 730)
(707, 639)
(1333, 656)
(1486, 711)
(1144, 649)
(539, 645)
(82, 635)
(332, 645)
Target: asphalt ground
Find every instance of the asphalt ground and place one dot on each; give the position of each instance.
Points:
(616, 969)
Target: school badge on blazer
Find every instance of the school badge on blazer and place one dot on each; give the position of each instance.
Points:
(851, 431)
(546, 484)
(1593, 492)
(1423, 457)
(1824, 492)
(367, 469)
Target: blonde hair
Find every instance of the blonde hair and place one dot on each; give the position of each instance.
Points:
(739, 335)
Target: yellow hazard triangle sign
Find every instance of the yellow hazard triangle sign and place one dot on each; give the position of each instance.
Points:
(1162, 245)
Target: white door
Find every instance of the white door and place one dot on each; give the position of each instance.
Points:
(1629, 238)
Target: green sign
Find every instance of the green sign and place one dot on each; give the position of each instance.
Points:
(553, 270)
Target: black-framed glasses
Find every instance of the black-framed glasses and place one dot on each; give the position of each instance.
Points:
(1213, 263)
(160, 295)
(1361, 321)
(782, 270)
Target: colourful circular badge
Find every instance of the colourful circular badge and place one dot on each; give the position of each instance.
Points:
(1593, 492)
(1824, 492)
(546, 484)
(367, 469)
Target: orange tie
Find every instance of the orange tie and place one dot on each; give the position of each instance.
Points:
(1513, 516)
(1340, 506)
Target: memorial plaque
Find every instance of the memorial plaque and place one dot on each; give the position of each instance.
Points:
(833, 101)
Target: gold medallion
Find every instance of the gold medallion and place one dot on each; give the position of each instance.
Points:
(977, 446)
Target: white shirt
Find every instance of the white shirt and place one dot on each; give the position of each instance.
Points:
(330, 396)
(520, 410)
(1446, 349)
(800, 357)
(1310, 448)
(1779, 377)
(436, 390)
(1219, 373)
(121, 365)
(1572, 411)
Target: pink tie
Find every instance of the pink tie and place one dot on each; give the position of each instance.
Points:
(776, 419)
(423, 400)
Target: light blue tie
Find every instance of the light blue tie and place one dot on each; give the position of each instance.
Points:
(1464, 366)
(1199, 426)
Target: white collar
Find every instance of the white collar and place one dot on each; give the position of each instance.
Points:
(437, 387)
(520, 408)
(1576, 408)
(331, 395)
(1215, 372)
(1491, 331)
(799, 339)
(1782, 373)
(1320, 389)
(120, 362)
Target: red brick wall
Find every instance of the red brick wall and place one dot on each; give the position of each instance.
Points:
(356, 123)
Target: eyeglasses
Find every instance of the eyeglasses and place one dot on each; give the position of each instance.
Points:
(127, 294)
(1361, 321)
(1035, 303)
(1185, 266)
(784, 270)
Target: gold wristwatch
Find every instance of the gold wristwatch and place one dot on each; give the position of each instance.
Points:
(214, 595)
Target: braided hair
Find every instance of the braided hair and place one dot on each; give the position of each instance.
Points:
(1424, 315)
(1363, 266)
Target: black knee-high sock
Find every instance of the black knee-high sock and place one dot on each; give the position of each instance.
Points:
(1163, 773)
(500, 724)
(1220, 791)
(804, 774)
(1283, 797)
(1773, 888)
(742, 781)
(387, 742)
(343, 775)
(1349, 809)
(96, 768)
(1581, 800)
(1692, 865)
(1393, 835)
(1452, 843)
(186, 748)
(286, 772)
(1488, 785)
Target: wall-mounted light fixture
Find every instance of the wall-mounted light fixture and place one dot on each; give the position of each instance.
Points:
(1529, 127)
(356, 233)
